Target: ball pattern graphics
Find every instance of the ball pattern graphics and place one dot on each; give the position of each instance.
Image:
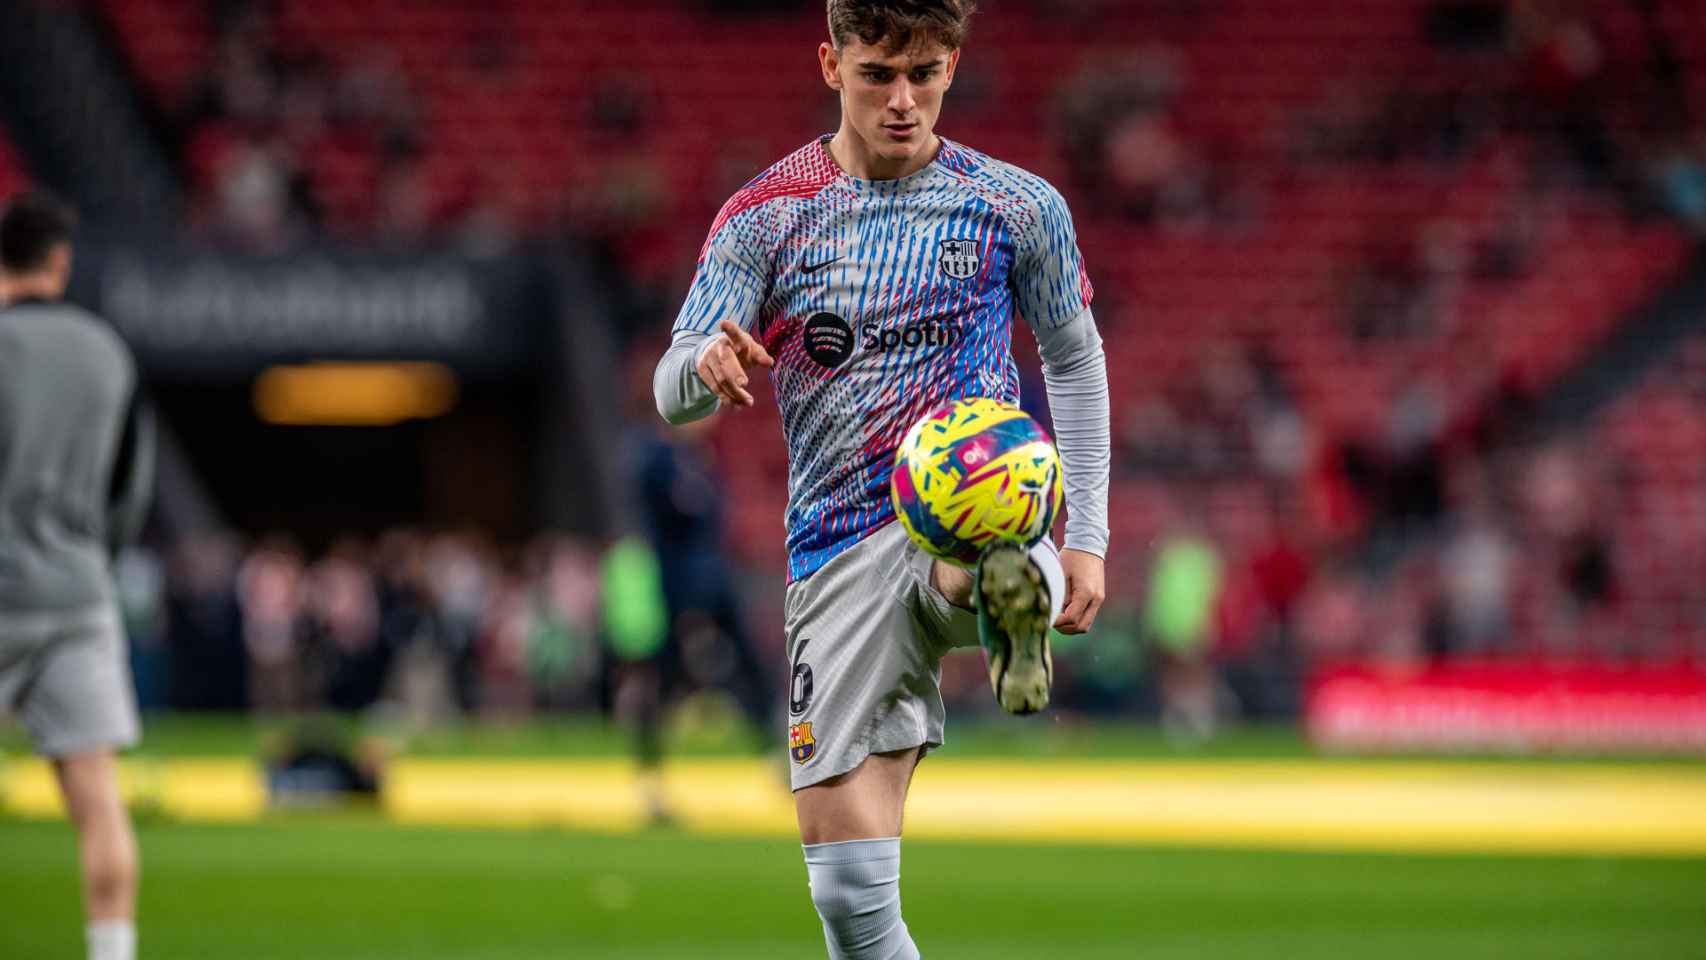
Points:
(972, 472)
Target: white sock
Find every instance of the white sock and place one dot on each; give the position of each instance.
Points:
(1047, 558)
(112, 940)
(856, 889)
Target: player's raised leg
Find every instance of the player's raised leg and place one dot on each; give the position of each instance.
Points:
(850, 828)
(107, 845)
(1018, 594)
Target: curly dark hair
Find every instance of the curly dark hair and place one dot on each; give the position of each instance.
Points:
(897, 25)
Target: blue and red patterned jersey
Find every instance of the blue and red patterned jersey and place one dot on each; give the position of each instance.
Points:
(881, 300)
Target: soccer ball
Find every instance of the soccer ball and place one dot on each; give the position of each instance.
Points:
(972, 472)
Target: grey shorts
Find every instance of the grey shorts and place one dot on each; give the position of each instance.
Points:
(866, 635)
(67, 677)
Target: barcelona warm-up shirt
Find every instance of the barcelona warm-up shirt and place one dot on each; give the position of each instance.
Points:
(881, 300)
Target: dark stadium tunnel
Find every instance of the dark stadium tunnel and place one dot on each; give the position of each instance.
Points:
(468, 467)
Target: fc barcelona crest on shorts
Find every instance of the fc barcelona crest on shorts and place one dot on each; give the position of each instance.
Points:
(801, 746)
(959, 259)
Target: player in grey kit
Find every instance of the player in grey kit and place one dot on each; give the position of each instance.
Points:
(877, 274)
(76, 462)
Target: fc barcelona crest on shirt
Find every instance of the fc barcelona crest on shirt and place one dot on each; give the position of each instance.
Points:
(959, 258)
(801, 746)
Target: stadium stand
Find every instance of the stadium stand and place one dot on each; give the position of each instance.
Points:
(1336, 257)
(1655, 434)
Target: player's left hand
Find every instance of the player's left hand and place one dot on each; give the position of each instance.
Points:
(1084, 591)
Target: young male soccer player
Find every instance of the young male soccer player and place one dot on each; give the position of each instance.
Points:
(75, 468)
(875, 273)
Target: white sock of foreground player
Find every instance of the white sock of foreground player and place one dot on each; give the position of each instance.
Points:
(1047, 558)
(112, 940)
(856, 889)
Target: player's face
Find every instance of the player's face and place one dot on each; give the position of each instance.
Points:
(890, 101)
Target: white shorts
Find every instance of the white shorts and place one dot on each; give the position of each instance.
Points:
(866, 635)
(67, 677)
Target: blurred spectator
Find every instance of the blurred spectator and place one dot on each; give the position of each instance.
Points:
(637, 627)
(1184, 588)
(489, 228)
(1222, 401)
(350, 655)
(1563, 60)
(680, 503)
(283, 138)
(1151, 438)
(502, 651)
(1122, 145)
(1280, 432)
(204, 626)
(1334, 615)
(241, 84)
(1476, 570)
(1280, 570)
(460, 579)
(1587, 569)
(269, 587)
(1414, 452)
(1679, 176)
(256, 183)
(1234, 412)
(563, 649)
(140, 580)
(1405, 280)
(410, 628)
(406, 215)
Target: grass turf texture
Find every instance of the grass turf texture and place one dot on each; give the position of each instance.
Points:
(353, 888)
(715, 731)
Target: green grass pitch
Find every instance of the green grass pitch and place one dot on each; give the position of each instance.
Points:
(357, 888)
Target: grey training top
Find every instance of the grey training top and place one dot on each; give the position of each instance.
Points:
(76, 460)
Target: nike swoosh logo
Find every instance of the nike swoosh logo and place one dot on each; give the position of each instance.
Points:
(815, 267)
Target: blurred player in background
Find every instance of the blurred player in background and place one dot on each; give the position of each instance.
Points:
(76, 462)
(704, 640)
(875, 273)
(683, 515)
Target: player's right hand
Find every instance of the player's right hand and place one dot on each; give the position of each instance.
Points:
(724, 363)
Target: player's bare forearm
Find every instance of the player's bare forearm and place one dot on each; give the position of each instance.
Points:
(1085, 590)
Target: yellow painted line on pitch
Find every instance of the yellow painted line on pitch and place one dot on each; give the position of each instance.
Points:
(1414, 807)
(1285, 804)
(201, 789)
(713, 796)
